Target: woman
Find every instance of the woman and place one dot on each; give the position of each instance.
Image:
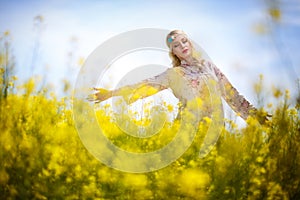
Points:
(190, 77)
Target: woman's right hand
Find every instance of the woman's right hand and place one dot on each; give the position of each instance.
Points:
(100, 95)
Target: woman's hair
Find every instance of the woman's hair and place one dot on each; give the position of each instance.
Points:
(170, 37)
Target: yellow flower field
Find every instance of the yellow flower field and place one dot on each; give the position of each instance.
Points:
(42, 157)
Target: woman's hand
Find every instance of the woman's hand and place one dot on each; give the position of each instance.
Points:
(262, 116)
(100, 95)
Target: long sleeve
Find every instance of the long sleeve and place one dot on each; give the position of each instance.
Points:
(236, 101)
(144, 88)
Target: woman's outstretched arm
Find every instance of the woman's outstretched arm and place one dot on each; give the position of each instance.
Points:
(132, 93)
(236, 101)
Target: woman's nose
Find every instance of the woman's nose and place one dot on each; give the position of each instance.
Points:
(182, 44)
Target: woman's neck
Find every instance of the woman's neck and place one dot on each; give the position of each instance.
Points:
(189, 61)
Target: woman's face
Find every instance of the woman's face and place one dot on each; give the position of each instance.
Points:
(181, 47)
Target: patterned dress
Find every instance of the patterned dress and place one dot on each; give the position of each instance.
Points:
(201, 79)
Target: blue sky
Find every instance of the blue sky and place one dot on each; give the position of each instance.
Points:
(224, 29)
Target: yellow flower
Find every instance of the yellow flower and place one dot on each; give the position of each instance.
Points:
(192, 181)
(259, 159)
(277, 92)
(170, 108)
(135, 180)
(4, 177)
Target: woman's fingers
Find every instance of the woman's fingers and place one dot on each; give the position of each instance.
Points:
(93, 97)
(100, 95)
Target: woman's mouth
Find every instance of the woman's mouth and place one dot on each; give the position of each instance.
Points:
(185, 51)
